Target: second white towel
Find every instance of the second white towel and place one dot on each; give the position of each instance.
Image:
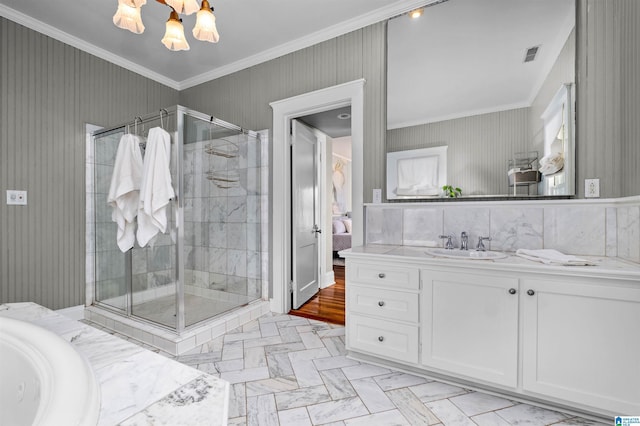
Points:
(124, 190)
(550, 256)
(156, 189)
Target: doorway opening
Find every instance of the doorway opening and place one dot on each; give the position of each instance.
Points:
(284, 111)
(331, 131)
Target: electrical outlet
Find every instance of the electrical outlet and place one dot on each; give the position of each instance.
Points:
(16, 198)
(377, 196)
(592, 188)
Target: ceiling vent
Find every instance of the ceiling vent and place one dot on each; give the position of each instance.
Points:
(531, 53)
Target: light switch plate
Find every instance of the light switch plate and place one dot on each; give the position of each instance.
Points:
(377, 196)
(592, 188)
(16, 198)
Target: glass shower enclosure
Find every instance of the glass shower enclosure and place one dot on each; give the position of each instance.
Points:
(209, 262)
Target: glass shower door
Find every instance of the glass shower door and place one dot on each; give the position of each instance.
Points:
(112, 279)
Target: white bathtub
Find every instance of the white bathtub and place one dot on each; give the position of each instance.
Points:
(44, 381)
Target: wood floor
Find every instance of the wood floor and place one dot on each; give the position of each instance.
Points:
(328, 304)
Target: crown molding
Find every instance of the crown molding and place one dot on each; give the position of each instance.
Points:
(370, 18)
(55, 33)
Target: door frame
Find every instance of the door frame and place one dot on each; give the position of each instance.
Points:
(351, 93)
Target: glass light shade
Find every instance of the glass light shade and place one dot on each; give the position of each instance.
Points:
(205, 28)
(186, 7)
(174, 35)
(128, 17)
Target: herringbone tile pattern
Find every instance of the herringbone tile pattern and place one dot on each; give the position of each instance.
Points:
(287, 370)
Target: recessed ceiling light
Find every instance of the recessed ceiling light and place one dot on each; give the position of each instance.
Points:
(416, 13)
(344, 116)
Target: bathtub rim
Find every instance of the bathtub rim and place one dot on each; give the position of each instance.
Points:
(69, 390)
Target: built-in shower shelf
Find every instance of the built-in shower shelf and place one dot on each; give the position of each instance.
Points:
(222, 148)
(224, 179)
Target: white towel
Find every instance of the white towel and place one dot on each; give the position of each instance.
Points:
(156, 189)
(124, 191)
(550, 256)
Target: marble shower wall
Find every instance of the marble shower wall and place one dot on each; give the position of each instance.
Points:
(580, 227)
(225, 221)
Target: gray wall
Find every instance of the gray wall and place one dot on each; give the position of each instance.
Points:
(608, 97)
(48, 91)
(471, 165)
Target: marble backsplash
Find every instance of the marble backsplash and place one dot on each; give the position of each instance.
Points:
(582, 227)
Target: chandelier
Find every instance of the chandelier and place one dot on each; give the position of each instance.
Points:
(128, 17)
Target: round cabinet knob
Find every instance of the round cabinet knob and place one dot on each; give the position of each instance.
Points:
(531, 292)
(512, 291)
(381, 275)
(381, 339)
(381, 303)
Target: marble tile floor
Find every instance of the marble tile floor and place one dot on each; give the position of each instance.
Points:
(287, 370)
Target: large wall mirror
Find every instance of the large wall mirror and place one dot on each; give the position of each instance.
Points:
(494, 82)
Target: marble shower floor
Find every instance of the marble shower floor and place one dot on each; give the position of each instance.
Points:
(287, 370)
(197, 308)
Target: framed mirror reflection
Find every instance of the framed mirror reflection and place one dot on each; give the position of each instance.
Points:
(494, 82)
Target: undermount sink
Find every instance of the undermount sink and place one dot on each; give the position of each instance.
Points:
(466, 254)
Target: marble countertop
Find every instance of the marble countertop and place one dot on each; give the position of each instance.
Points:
(138, 387)
(604, 267)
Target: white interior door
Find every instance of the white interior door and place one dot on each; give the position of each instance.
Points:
(304, 214)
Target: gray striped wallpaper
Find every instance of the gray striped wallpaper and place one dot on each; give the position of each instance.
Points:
(470, 164)
(48, 91)
(608, 97)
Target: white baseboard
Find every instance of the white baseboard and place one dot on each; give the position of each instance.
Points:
(328, 280)
(73, 312)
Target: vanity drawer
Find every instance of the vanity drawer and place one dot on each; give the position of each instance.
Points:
(384, 275)
(383, 338)
(390, 304)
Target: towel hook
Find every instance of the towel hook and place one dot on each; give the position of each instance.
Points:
(166, 112)
(135, 125)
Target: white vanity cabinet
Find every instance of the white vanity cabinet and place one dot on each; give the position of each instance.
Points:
(581, 342)
(382, 310)
(567, 336)
(470, 325)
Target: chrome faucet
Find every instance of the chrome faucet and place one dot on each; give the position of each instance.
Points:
(464, 241)
(449, 244)
(480, 246)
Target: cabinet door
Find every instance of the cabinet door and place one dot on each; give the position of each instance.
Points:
(581, 343)
(470, 325)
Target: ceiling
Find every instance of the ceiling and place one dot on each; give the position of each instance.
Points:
(465, 57)
(336, 122)
(251, 32)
